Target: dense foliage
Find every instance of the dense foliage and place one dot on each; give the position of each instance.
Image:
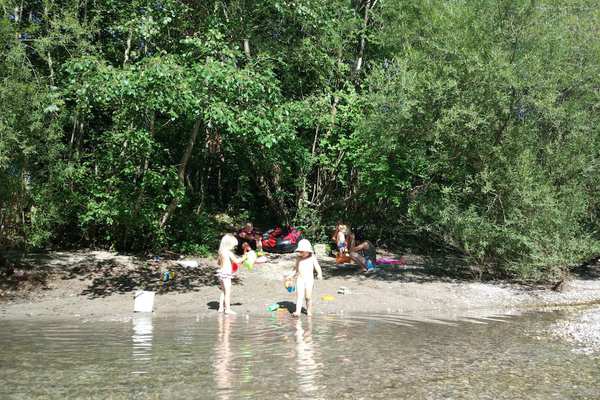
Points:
(139, 124)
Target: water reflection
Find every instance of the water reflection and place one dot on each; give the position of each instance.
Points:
(223, 358)
(358, 356)
(142, 343)
(307, 368)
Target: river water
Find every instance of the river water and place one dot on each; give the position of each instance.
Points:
(278, 357)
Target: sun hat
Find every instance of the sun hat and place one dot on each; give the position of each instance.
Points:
(304, 245)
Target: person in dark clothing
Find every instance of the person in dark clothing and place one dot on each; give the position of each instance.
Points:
(248, 235)
(363, 253)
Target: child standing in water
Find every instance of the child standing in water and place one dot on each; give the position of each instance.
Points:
(228, 265)
(304, 270)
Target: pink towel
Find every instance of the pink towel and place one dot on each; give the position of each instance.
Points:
(390, 261)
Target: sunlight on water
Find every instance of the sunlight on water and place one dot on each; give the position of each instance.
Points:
(279, 357)
(141, 347)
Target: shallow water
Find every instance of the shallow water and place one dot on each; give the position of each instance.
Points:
(326, 357)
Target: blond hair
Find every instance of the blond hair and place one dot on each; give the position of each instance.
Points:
(228, 243)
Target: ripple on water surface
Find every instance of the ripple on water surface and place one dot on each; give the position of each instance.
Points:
(355, 356)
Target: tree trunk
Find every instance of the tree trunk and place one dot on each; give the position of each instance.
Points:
(181, 171)
(85, 11)
(19, 13)
(247, 48)
(140, 197)
(73, 131)
(128, 47)
(324, 176)
(368, 4)
(276, 203)
(51, 68)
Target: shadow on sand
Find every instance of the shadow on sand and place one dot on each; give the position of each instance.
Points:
(109, 277)
(214, 305)
(103, 277)
(421, 270)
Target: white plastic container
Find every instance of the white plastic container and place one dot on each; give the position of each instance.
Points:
(144, 301)
(188, 263)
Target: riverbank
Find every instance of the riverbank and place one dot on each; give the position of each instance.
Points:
(99, 285)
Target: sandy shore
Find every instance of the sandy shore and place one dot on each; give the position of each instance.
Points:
(100, 285)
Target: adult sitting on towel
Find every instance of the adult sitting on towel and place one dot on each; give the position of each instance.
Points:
(248, 235)
(363, 253)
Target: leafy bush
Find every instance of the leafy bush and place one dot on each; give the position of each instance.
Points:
(468, 126)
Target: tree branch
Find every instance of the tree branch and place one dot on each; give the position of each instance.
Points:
(181, 171)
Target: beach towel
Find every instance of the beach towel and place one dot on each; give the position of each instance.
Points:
(390, 261)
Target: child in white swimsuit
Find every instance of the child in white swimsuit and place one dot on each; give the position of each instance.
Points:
(304, 270)
(228, 264)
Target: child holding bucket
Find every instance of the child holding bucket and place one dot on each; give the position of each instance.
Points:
(304, 270)
(228, 266)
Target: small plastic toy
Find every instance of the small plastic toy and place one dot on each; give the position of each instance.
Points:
(250, 260)
(168, 276)
(344, 290)
(273, 307)
(288, 283)
(370, 265)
